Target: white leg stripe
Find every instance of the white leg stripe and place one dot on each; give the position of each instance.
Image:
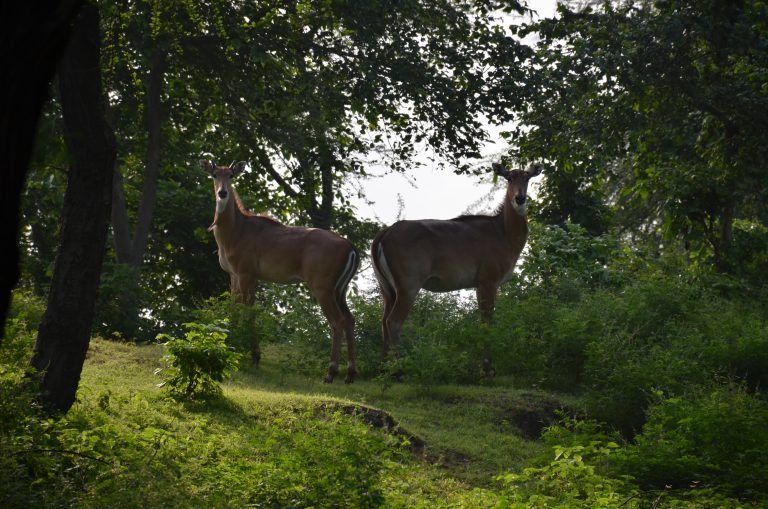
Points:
(347, 273)
(382, 272)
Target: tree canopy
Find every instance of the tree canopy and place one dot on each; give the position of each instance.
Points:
(650, 116)
(653, 116)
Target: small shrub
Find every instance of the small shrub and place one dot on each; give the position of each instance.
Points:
(198, 361)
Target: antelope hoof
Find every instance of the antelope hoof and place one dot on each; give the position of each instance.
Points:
(333, 370)
(488, 368)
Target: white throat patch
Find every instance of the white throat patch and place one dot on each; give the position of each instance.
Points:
(520, 209)
(221, 203)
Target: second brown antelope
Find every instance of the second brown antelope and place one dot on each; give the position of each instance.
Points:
(444, 255)
(253, 247)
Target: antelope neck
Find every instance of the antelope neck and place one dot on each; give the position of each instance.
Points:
(515, 224)
(227, 221)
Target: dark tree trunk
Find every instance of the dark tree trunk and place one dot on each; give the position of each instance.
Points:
(33, 35)
(65, 330)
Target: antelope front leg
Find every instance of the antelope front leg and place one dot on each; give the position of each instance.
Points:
(486, 300)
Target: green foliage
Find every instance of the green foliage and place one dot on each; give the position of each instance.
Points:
(559, 255)
(20, 331)
(647, 112)
(326, 464)
(248, 327)
(37, 467)
(198, 361)
(750, 252)
(715, 439)
(119, 303)
(121, 446)
(591, 469)
(569, 480)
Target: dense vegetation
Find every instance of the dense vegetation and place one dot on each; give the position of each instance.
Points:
(649, 377)
(630, 349)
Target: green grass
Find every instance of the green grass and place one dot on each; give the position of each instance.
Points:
(278, 439)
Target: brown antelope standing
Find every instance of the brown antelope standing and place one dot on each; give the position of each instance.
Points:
(253, 247)
(444, 255)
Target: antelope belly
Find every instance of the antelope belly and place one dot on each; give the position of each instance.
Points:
(442, 284)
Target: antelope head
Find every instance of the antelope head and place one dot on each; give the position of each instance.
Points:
(222, 180)
(517, 185)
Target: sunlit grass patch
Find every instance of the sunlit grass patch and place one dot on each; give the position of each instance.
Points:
(282, 437)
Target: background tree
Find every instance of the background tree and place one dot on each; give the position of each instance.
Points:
(656, 111)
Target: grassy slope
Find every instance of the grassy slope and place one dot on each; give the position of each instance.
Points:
(273, 440)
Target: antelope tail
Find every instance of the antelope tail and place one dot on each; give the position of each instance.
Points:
(353, 263)
(381, 269)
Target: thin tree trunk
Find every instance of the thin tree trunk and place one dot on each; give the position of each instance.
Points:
(130, 249)
(725, 241)
(64, 332)
(152, 173)
(323, 215)
(32, 40)
(121, 227)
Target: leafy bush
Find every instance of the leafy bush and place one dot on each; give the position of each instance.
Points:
(589, 470)
(198, 361)
(33, 453)
(442, 341)
(715, 440)
(558, 253)
(570, 480)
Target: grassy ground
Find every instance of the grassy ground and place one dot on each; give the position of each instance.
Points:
(278, 439)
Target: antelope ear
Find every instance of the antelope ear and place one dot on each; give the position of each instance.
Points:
(498, 169)
(534, 170)
(237, 167)
(207, 166)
